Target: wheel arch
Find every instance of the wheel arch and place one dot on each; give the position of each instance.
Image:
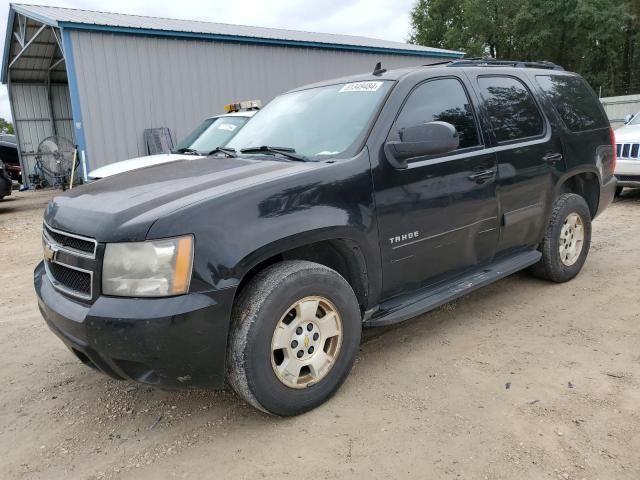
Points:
(585, 182)
(334, 249)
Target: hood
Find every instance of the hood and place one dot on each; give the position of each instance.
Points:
(628, 134)
(138, 162)
(123, 207)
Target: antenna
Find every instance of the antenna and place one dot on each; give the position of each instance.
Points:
(378, 70)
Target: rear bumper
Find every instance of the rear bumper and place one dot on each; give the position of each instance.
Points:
(176, 342)
(607, 194)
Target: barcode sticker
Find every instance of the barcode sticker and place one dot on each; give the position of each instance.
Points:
(361, 87)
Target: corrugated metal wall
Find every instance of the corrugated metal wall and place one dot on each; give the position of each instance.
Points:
(618, 108)
(128, 83)
(32, 117)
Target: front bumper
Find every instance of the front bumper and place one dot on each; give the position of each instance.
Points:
(628, 173)
(175, 342)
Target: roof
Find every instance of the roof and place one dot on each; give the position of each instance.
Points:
(8, 140)
(243, 113)
(443, 68)
(136, 24)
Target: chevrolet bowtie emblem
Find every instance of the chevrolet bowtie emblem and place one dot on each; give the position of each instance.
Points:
(49, 252)
(306, 341)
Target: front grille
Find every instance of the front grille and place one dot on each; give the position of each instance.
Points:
(628, 150)
(70, 241)
(70, 261)
(72, 279)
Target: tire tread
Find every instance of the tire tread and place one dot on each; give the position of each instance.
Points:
(246, 313)
(548, 268)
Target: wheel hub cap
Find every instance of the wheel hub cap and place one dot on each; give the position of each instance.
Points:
(306, 342)
(571, 239)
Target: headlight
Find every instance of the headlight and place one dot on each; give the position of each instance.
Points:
(155, 268)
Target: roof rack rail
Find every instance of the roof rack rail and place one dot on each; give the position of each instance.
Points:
(490, 62)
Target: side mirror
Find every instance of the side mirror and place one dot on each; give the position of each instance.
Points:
(628, 119)
(431, 138)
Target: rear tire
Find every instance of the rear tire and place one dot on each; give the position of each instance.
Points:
(294, 337)
(567, 240)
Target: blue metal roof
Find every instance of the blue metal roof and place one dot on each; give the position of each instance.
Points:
(68, 18)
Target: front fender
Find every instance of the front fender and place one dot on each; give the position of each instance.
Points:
(235, 232)
(359, 245)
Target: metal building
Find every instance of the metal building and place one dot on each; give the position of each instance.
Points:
(101, 79)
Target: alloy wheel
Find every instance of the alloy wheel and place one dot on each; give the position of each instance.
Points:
(306, 342)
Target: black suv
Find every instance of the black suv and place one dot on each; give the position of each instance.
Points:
(355, 202)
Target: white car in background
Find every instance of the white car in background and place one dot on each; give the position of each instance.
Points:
(628, 150)
(206, 137)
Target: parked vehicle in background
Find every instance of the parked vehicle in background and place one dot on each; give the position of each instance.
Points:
(628, 151)
(5, 182)
(206, 137)
(354, 202)
(9, 156)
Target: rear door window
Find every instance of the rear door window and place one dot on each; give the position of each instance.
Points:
(574, 101)
(444, 100)
(512, 111)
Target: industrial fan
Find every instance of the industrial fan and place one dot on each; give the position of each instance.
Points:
(56, 158)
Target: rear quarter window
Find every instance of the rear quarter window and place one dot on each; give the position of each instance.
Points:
(511, 108)
(574, 101)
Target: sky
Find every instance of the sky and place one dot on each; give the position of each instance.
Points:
(385, 19)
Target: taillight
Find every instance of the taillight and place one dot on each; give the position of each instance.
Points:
(614, 160)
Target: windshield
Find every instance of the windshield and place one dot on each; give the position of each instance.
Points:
(636, 120)
(210, 134)
(316, 123)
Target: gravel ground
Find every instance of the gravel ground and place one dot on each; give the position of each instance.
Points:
(522, 379)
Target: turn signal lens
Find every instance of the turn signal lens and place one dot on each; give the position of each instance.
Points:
(182, 271)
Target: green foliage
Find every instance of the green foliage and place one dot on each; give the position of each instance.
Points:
(4, 124)
(599, 39)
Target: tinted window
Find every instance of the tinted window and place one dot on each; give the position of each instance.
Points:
(574, 101)
(511, 108)
(442, 100)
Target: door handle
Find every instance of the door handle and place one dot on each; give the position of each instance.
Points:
(552, 158)
(480, 177)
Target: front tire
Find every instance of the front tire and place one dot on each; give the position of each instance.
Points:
(294, 337)
(567, 240)
(619, 191)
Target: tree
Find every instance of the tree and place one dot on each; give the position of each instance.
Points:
(479, 28)
(6, 125)
(442, 24)
(597, 38)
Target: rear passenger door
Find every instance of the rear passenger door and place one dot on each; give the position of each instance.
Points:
(529, 155)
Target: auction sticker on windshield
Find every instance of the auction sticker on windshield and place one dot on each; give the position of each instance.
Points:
(227, 126)
(361, 87)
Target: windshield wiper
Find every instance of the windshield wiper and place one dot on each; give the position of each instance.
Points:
(284, 151)
(229, 152)
(186, 151)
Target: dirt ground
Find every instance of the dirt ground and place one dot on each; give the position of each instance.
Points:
(520, 380)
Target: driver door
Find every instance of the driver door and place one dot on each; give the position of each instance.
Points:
(439, 216)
